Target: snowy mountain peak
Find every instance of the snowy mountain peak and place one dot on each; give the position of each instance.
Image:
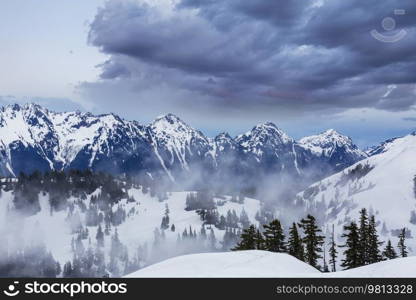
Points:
(223, 136)
(171, 127)
(169, 118)
(336, 149)
(327, 141)
(264, 134)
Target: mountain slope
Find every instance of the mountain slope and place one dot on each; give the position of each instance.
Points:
(261, 264)
(383, 183)
(143, 218)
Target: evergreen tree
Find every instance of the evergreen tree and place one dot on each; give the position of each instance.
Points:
(274, 237)
(325, 268)
(244, 220)
(333, 251)
(352, 255)
(389, 252)
(402, 245)
(203, 233)
(260, 242)
(312, 240)
(248, 239)
(295, 246)
(212, 240)
(373, 242)
(100, 237)
(363, 244)
(67, 272)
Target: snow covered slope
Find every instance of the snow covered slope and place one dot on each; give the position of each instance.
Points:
(399, 268)
(144, 216)
(383, 183)
(260, 264)
(253, 263)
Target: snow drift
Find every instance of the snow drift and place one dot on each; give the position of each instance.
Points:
(254, 263)
(262, 264)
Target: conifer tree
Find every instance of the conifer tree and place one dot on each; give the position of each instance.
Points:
(312, 240)
(212, 240)
(100, 237)
(363, 238)
(402, 245)
(67, 271)
(325, 268)
(248, 239)
(373, 255)
(203, 233)
(260, 241)
(352, 255)
(389, 252)
(333, 251)
(274, 237)
(295, 247)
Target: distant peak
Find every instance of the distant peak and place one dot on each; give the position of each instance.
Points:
(266, 124)
(223, 135)
(331, 132)
(168, 117)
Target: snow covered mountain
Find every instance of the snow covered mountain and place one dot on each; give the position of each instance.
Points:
(333, 148)
(178, 146)
(34, 138)
(269, 149)
(255, 263)
(384, 183)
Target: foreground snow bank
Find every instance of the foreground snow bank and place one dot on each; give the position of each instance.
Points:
(253, 263)
(399, 267)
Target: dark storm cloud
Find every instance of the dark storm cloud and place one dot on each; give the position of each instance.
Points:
(260, 53)
(112, 69)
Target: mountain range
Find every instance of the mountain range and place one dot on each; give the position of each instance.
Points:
(35, 138)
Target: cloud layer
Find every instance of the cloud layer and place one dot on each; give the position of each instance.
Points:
(254, 56)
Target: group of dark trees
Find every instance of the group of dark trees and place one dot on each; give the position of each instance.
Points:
(201, 200)
(363, 243)
(305, 242)
(90, 261)
(61, 186)
(306, 247)
(29, 261)
(204, 205)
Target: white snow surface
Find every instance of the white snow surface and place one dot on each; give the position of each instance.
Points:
(253, 263)
(387, 191)
(263, 264)
(137, 230)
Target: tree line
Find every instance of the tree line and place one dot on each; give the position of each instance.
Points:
(306, 242)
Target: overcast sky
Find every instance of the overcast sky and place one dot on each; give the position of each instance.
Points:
(219, 65)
